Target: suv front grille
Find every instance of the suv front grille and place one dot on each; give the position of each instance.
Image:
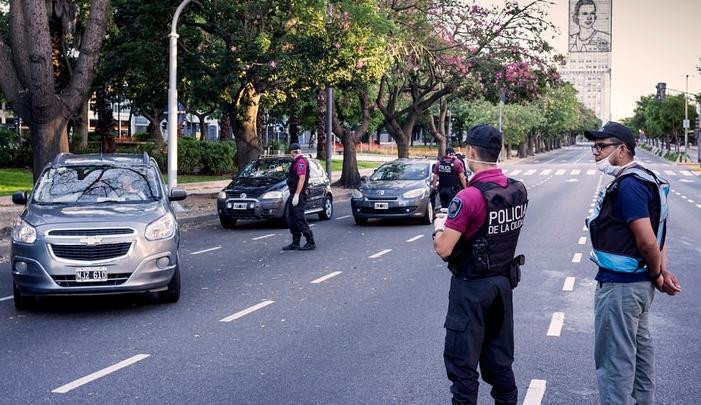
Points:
(91, 253)
(249, 194)
(91, 232)
(112, 279)
(382, 198)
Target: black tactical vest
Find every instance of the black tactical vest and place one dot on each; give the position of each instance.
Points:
(293, 178)
(447, 173)
(491, 252)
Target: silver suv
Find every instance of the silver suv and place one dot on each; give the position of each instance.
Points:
(96, 224)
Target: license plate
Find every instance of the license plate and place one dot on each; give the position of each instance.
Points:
(90, 274)
(381, 206)
(240, 206)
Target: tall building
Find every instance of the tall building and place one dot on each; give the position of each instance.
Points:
(588, 62)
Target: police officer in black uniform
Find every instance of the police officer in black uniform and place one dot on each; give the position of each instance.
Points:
(298, 184)
(478, 238)
(449, 172)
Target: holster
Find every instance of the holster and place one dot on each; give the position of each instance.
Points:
(515, 273)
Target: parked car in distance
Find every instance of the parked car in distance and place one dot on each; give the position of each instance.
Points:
(94, 225)
(259, 191)
(397, 189)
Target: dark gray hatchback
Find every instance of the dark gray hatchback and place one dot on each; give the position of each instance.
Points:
(96, 224)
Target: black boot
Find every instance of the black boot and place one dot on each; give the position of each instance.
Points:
(291, 246)
(310, 245)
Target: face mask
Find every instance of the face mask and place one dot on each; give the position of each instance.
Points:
(606, 167)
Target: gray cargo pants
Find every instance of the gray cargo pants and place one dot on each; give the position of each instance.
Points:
(623, 352)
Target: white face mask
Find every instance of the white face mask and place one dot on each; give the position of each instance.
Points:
(605, 166)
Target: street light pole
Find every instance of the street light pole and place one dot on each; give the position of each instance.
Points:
(686, 119)
(329, 130)
(173, 99)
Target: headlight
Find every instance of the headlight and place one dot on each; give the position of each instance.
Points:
(23, 232)
(222, 195)
(272, 195)
(357, 194)
(418, 193)
(162, 228)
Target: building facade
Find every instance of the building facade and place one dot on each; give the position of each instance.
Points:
(588, 62)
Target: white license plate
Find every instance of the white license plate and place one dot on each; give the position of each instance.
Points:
(90, 274)
(381, 206)
(240, 206)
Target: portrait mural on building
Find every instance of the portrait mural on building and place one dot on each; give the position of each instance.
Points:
(590, 26)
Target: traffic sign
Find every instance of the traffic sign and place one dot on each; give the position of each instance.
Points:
(686, 124)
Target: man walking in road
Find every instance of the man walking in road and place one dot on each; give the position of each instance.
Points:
(449, 172)
(628, 229)
(478, 239)
(298, 182)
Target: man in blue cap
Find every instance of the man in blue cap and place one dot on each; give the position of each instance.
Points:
(628, 229)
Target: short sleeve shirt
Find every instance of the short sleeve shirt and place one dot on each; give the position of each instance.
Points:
(300, 166)
(459, 168)
(468, 210)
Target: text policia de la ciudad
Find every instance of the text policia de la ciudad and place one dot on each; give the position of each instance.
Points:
(506, 220)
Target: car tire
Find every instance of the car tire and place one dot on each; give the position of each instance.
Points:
(22, 302)
(226, 222)
(360, 221)
(327, 206)
(427, 219)
(172, 294)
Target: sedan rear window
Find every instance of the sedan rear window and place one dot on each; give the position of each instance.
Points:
(97, 184)
(401, 171)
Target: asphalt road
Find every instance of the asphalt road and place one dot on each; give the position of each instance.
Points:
(371, 334)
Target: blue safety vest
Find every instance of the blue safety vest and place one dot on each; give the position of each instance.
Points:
(612, 240)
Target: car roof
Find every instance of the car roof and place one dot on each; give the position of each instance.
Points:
(410, 160)
(100, 159)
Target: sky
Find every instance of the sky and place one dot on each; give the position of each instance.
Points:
(652, 41)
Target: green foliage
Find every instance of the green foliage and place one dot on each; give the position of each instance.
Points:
(15, 150)
(189, 155)
(218, 157)
(141, 137)
(660, 120)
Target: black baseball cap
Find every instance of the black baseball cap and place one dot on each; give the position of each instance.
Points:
(449, 150)
(614, 130)
(294, 146)
(484, 136)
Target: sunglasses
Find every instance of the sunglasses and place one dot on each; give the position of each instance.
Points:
(599, 146)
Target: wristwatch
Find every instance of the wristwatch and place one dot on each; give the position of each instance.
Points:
(656, 276)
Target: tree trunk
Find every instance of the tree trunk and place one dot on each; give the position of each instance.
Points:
(81, 127)
(154, 128)
(47, 142)
(523, 149)
(245, 123)
(293, 122)
(321, 124)
(203, 125)
(350, 176)
(507, 147)
(105, 120)
(225, 123)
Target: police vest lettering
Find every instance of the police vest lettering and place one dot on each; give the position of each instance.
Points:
(445, 168)
(506, 220)
(447, 175)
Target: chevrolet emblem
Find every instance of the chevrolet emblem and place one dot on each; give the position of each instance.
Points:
(91, 241)
(382, 192)
(243, 195)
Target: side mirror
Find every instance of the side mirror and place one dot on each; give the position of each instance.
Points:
(20, 198)
(177, 194)
(364, 179)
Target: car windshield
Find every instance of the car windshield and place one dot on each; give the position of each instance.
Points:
(265, 169)
(97, 184)
(401, 171)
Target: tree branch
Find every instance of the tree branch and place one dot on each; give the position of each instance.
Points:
(11, 87)
(18, 42)
(42, 81)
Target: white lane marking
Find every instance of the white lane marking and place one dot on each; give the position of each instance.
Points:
(569, 284)
(691, 201)
(683, 196)
(698, 205)
(560, 172)
(670, 173)
(247, 311)
(695, 173)
(417, 237)
(529, 172)
(582, 240)
(99, 374)
(515, 172)
(344, 217)
(556, 323)
(270, 235)
(575, 172)
(686, 181)
(577, 258)
(326, 277)
(206, 250)
(6, 298)
(545, 172)
(534, 395)
(685, 172)
(591, 172)
(378, 254)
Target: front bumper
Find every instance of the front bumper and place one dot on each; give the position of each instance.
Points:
(255, 208)
(400, 208)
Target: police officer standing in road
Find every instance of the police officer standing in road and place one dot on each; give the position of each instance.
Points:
(478, 238)
(628, 229)
(449, 172)
(298, 183)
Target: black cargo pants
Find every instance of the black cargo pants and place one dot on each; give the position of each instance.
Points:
(297, 221)
(480, 330)
(447, 194)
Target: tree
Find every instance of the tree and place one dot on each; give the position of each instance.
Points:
(32, 71)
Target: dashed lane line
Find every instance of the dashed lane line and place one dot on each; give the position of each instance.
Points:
(582, 240)
(415, 238)
(698, 205)
(591, 172)
(99, 374)
(343, 217)
(556, 322)
(545, 172)
(685, 173)
(379, 254)
(569, 284)
(670, 173)
(326, 277)
(247, 311)
(270, 235)
(515, 172)
(575, 172)
(560, 172)
(577, 258)
(6, 298)
(535, 393)
(206, 250)
(529, 172)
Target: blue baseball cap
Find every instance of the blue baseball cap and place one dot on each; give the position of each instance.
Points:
(484, 136)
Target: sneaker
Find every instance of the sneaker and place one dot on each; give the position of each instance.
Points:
(291, 246)
(308, 246)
